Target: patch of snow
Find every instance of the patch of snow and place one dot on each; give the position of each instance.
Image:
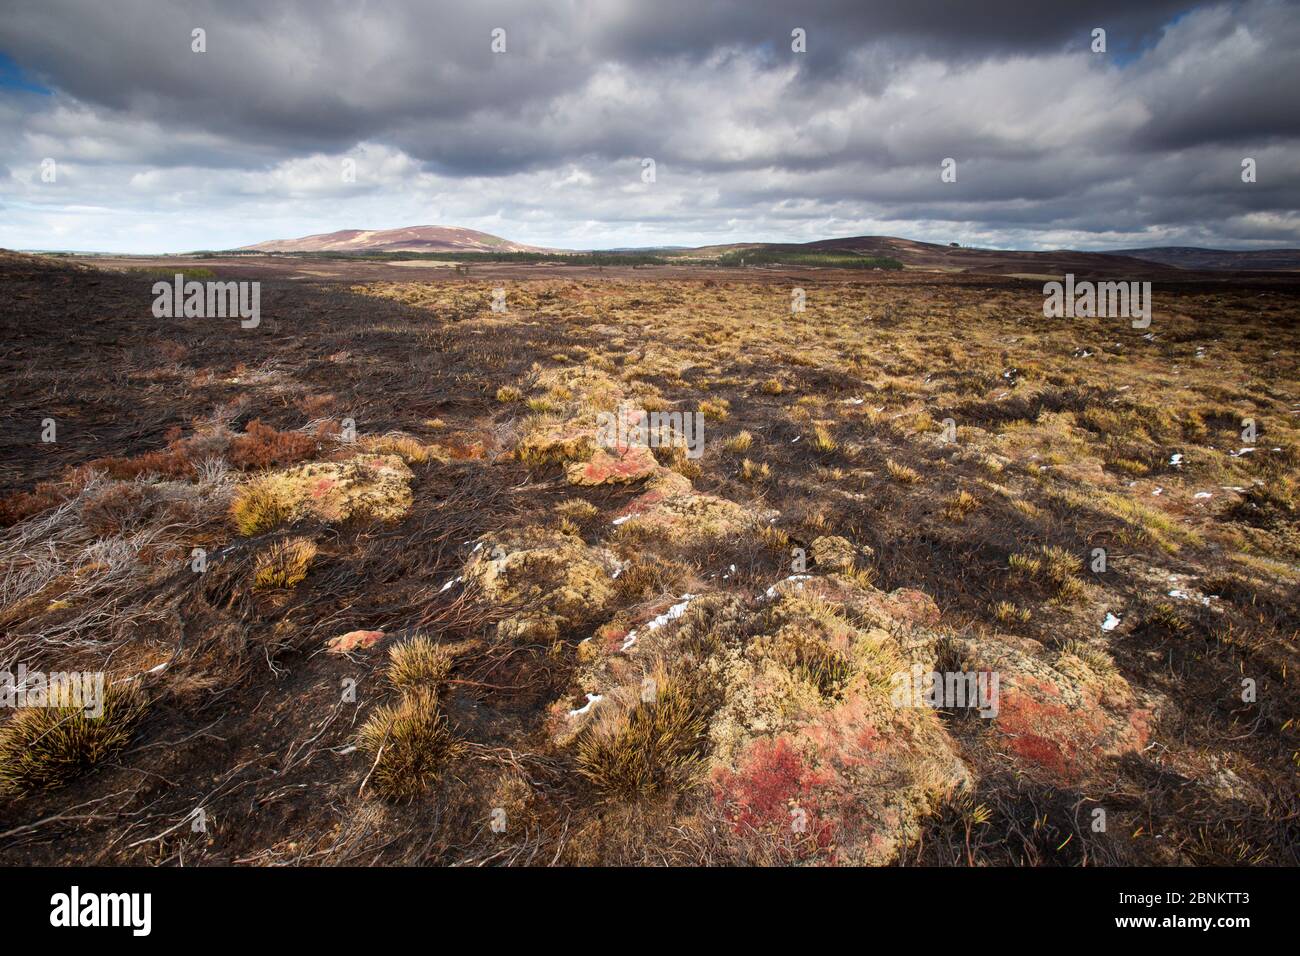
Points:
(771, 592)
(672, 614)
(1110, 623)
(592, 701)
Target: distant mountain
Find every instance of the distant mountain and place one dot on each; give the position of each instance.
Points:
(408, 239)
(1192, 257)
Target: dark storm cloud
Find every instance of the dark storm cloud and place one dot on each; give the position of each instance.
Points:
(321, 76)
(549, 136)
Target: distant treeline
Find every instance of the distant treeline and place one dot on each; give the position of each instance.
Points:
(828, 259)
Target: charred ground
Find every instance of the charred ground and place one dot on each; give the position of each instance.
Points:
(824, 425)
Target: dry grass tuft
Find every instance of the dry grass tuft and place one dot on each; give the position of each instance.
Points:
(1008, 613)
(718, 411)
(902, 473)
(257, 509)
(45, 747)
(739, 442)
(822, 440)
(656, 746)
(284, 563)
(1026, 564)
(960, 505)
(410, 744)
(418, 663)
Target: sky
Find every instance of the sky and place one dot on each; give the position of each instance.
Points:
(116, 135)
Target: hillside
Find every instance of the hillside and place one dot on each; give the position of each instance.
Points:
(929, 256)
(407, 239)
(1192, 257)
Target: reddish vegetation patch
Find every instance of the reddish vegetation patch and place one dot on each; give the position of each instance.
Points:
(262, 446)
(170, 462)
(626, 464)
(1063, 741)
(322, 487)
(1046, 754)
(771, 793)
(24, 504)
(668, 486)
(611, 637)
(466, 446)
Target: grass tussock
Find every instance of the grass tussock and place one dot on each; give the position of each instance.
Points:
(739, 442)
(45, 747)
(409, 743)
(716, 411)
(816, 661)
(902, 473)
(1055, 567)
(284, 563)
(257, 509)
(959, 506)
(823, 441)
(418, 663)
(1009, 613)
(657, 745)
